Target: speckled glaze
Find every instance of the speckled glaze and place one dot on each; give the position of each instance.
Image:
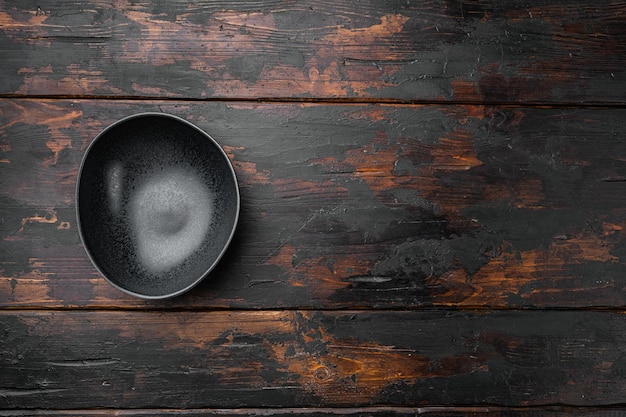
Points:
(157, 203)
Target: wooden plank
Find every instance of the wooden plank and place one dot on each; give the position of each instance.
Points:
(445, 50)
(348, 206)
(328, 412)
(230, 359)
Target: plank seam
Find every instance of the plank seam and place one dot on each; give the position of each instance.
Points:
(347, 310)
(478, 409)
(331, 101)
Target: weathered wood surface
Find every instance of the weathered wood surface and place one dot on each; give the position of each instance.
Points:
(348, 206)
(556, 411)
(413, 174)
(298, 358)
(448, 50)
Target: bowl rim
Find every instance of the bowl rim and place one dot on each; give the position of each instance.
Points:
(83, 243)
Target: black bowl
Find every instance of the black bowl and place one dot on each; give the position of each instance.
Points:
(157, 202)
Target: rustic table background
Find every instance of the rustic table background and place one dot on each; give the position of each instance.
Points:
(432, 214)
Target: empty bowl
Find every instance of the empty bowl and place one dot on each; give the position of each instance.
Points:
(157, 204)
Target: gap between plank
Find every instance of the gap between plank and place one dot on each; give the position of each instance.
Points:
(328, 100)
(564, 410)
(346, 310)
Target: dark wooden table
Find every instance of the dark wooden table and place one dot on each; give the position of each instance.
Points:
(432, 221)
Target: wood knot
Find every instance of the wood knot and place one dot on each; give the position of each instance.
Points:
(322, 373)
(314, 74)
(64, 226)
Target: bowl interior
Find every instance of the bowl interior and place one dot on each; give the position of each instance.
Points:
(157, 203)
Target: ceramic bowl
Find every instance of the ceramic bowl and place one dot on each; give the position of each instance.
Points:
(157, 204)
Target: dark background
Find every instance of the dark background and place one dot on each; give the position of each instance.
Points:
(431, 221)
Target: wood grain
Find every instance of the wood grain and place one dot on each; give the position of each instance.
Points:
(296, 358)
(348, 206)
(566, 51)
(432, 208)
(556, 411)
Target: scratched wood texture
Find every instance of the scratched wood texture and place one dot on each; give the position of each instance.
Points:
(311, 358)
(432, 208)
(348, 206)
(446, 50)
(556, 411)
